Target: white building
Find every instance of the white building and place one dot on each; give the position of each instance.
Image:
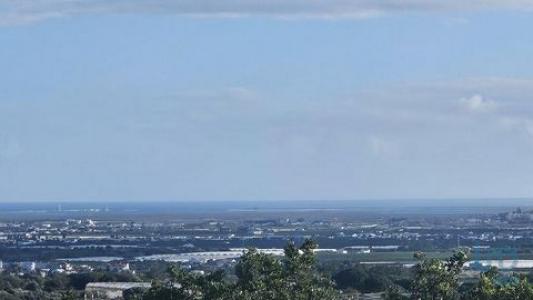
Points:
(111, 290)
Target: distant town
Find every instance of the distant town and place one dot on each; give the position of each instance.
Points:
(131, 244)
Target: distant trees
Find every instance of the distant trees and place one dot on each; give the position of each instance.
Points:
(365, 279)
(53, 287)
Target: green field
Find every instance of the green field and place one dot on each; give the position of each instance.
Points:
(396, 256)
(407, 256)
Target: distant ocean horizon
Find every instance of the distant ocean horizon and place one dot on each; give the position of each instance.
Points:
(199, 207)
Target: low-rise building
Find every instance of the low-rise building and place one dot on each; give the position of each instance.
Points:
(111, 290)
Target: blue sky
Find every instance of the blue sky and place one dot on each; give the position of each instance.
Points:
(265, 100)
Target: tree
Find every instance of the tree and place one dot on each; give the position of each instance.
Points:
(486, 287)
(365, 279)
(69, 295)
(393, 293)
(435, 279)
(133, 294)
(490, 288)
(262, 276)
(214, 285)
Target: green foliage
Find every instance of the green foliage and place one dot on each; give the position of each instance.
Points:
(259, 277)
(69, 295)
(393, 293)
(262, 276)
(490, 287)
(133, 294)
(368, 279)
(186, 286)
(53, 287)
(436, 279)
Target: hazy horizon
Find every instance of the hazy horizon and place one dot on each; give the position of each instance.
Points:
(262, 100)
(507, 201)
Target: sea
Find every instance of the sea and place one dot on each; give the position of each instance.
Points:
(373, 207)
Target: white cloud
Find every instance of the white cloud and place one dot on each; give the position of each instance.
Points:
(24, 11)
(498, 104)
(393, 137)
(478, 104)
